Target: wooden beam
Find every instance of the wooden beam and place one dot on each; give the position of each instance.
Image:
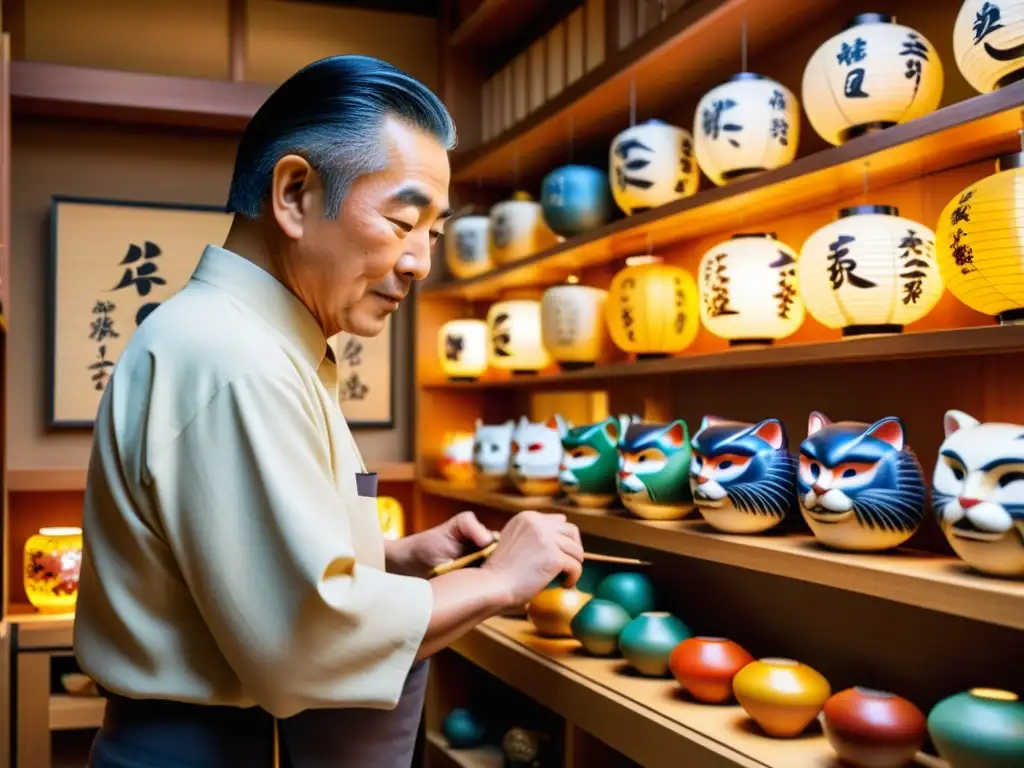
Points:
(237, 20)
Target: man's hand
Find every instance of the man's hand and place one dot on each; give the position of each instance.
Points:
(416, 555)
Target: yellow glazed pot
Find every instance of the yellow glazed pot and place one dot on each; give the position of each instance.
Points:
(552, 610)
(53, 561)
(781, 695)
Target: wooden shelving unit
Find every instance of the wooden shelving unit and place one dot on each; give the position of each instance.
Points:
(73, 713)
(477, 757)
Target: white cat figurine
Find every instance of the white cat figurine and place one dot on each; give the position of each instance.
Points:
(492, 450)
(537, 456)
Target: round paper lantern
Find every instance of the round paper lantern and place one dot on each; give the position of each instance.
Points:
(746, 125)
(870, 271)
(652, 308)
(575, 199)
(516, 341)
(573, 325)
(467, 246)
(518, 229)
(391, 517)
(652, 164)
(981, 252)
(872, 75)
(53, 563)
(748, 290)
(988, 43)
(462, 349)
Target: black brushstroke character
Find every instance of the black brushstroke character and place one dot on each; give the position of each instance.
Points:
(712, 120)
(842, 267)
(143, 276)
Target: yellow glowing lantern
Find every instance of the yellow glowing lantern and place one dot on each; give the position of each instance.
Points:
(748, 290)
(456, 462)
(518, 229)
(462, 349)
(988, 43)
(981, 243)
(467, 246)
(517, 343)
(53, 562)
(652, 308)
(872, 75)
(749, 124)
(391, 517)
(573, 324)
(870, 271)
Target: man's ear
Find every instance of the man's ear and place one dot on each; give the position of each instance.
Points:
(293, 180)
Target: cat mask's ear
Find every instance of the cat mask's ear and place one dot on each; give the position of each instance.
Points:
(510, 424)
(772, 432)
(816, 422)
(709, 421)
(954, 420)
(611, 430)
(523, 422)
(676, 433)
(889, 430)
(556, 423)
(479, 423)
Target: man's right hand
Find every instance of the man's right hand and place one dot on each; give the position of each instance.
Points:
(533, 550)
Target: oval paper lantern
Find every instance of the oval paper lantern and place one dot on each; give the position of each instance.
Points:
(518, 229)
(652, 308)
(748, 290)
(872, 75)
(980, 247)
(747, 125)
(575, 199)
(573, 324)
(462, 349)
(52, 566)
(467, 246)
(988, 43)
(391, 517)
(516, 341)
(870, 271)
(652, 164)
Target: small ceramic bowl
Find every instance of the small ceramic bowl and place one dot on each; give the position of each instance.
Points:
(598, 624)
(649, 639)
(873, 729)
(706, 666)
(553, 609)
(781, 695)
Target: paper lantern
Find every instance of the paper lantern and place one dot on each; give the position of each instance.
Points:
(870, 271)
(462, 349)
(456, 462)
(518, 229)
(872, 75)
(652, 308)
(572, 321)
(391, 517)
(575, 199)
(988, 43)
(467, 246)
(746, 125)
(748, 290)
(53, 563)
(516, 341)
(652, 164)
(981, 251)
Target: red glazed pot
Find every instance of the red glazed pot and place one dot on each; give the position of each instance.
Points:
(873, 729)
(705, 666)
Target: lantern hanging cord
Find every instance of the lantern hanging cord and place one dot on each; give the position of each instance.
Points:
(572, 137)
(743, 43)
(867, 165)
(1020, 133)
(632, 102)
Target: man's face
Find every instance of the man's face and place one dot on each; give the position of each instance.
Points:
(352, 271)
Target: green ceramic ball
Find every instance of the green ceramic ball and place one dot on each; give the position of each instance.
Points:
(649, 639)
(462, 729)
(980, 728)
(598, 624)
(592, 575)
(633, 591)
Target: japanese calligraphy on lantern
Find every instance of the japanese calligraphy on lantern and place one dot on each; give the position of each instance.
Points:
(365, 376)
(112, 263)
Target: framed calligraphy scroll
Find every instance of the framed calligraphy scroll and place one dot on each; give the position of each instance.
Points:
(112, 262)
(366, 391)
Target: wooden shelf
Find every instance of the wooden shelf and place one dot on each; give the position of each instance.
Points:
(396, 472)
(934, 582)
(971, 130)
(72, 713)
(478, 757)
(647, 720)
(908, 345)
(497, 22)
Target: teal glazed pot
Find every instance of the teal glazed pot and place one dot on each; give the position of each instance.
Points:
(633, 591)
(462, 729)
(979, 728)
(649, 639)
(598, 624)
(575, 199)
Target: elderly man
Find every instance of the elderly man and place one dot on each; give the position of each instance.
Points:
(235, 581)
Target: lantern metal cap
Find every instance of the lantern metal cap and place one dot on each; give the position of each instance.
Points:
(521, 194)
(864, 210)
(746, 76)
(870, 18)
(1011, 161)
(766, 235)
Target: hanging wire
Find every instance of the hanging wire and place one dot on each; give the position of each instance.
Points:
(743, 41)
(867, 166)
(632, 101)
(572, 137)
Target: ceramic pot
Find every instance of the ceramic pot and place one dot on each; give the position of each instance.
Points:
(633, 591)
(518, 229)
(553, 609)
(654, 470)
(649, 639)
(873, 729)
(51, 567)
(705, 667)
(598, 624)
(652, 164)
(462, 729)
(980, 728)
(467, 246)
(781, 695)
(572, 325)
(575, 199)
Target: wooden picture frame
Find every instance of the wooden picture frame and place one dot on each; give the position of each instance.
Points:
(366, 377)
(110, 263)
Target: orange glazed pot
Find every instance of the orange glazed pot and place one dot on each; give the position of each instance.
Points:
(781, 695)
(873, 729)
(705, 667)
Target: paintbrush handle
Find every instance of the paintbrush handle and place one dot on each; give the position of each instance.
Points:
(472, 557)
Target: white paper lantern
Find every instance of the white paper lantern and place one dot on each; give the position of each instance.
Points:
(516, 341)
(872, 75)
(462, 349)
(518, 229)
(748, 290)
(749, 124)
(573, 324)
(652, 164)
(870, 271)
(988, 43)
(467, 246)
